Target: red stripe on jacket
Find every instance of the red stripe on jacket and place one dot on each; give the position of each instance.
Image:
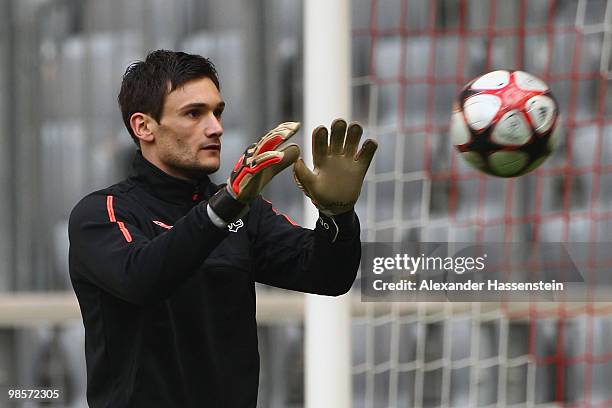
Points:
(111, 216)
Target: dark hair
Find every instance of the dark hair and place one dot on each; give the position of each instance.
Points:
(146, 83)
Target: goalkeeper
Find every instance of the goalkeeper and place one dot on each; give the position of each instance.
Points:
(164, 263)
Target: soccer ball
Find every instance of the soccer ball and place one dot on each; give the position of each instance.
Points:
(504, 123)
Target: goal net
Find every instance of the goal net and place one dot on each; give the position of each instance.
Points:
(410, 59)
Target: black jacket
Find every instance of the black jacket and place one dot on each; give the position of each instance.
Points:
(168, 298)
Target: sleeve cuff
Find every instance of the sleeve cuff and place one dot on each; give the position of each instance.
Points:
(338, 227)
(214, 218)
(225, 207)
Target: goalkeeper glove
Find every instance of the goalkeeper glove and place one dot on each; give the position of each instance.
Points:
(258, 164)
(335, 183)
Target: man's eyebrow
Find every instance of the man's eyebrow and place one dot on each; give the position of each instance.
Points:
(200, 105)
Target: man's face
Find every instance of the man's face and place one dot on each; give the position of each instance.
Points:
(188, 135)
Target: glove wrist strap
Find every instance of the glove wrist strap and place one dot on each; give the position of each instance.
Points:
(226, 207)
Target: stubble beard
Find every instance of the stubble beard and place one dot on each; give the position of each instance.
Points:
(191, 167)
(186, 163)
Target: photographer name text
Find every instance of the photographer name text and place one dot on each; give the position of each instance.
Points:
(469, 285)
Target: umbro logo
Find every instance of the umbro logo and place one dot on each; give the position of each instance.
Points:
(161, 224)
(235, 226)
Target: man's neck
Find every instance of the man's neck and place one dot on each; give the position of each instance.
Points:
(169, 170)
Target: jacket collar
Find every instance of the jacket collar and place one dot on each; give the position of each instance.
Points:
(169, 188)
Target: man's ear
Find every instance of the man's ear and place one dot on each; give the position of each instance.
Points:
(143, 126)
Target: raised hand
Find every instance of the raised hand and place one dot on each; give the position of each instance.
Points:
(254, 169)
(335, 182)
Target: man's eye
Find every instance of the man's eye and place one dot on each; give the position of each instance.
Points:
(193, 113)
(219, 113)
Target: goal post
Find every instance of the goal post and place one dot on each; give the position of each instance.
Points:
(327, 96)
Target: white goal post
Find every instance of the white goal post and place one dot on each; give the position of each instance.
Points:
(327, 95)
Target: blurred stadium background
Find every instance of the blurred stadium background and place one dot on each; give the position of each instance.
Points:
(61, 136)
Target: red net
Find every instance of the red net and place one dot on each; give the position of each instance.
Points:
(410, 60)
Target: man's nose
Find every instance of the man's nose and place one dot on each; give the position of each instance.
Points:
(214, 127)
